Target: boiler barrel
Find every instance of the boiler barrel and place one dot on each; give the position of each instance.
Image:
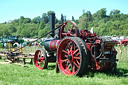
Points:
(52, 45)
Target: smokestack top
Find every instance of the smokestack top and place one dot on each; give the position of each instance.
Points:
(52, 23)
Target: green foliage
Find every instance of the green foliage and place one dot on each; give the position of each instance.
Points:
(36, 20)
(27, 20)
(42, 24)
(7, 29)
(44, 31)
(101, 13)
(115, 23)
(25, 27)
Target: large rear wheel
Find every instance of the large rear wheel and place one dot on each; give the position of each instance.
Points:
(71, 56)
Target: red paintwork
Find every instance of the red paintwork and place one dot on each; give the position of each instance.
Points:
(64, 51)
(66, 32)
(54, 44)
(98, 41)
(108, 46)
(89, 45)
(39, 64)
(85, 34)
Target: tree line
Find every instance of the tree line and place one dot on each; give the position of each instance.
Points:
(116, 23)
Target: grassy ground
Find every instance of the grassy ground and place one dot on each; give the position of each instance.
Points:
(11, 74)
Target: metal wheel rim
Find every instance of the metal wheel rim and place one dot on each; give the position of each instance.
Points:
(66, 31)
(39, 60)
(67, 65)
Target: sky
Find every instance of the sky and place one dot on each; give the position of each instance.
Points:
(13, 9)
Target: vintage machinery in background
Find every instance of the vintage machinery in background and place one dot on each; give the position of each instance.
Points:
(124, 42)
(12, 40)
(76, 51)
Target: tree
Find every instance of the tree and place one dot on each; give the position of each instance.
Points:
(21, 20)
(101, 13)
(45, 18)
(25, 33)
(36, 20)
(89, 16)
(73, 18)
(42, 24)
(27, 20)
(115, 14)
(5, 32)
(84, 20)
(15, 21)
(123, 16)
(44, 31)
(82, 23)
(12, 28)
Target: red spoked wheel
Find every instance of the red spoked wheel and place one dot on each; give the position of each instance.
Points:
(69, 28)
(40, 59)
(71, 57)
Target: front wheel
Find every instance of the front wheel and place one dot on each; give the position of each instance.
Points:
(40, 59)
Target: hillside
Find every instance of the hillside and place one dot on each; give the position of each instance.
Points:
(116, 23)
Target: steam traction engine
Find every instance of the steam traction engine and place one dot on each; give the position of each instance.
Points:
(76, 51)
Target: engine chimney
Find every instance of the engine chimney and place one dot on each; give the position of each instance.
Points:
(52, 24)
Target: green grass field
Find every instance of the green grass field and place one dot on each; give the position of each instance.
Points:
(12, 74)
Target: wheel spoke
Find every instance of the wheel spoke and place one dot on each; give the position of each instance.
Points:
(64, 60)
(72, 31)
(71, 28)
(71, 67)
(78, 54)
(66, 55)
(67, 27)
(64, 34)
(68, 66)
(67, 63)
(71, 46)
(42, 61)
(68, 46)
(41, 64)
(65, 51)
(72, 34)
(73, 70)
(76, 64)
(77, 58)
(75, 51)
